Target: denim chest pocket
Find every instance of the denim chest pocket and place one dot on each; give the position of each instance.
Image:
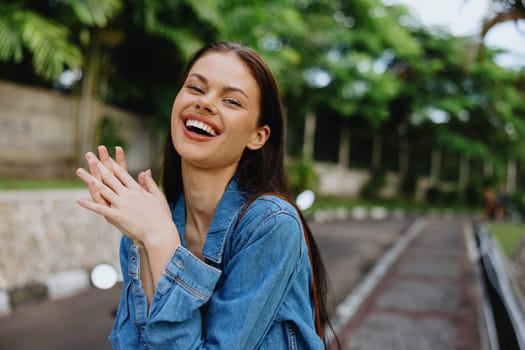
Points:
(282, 335)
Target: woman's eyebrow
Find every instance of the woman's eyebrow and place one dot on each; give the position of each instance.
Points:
(199, 76)
(203, 79)
(233, 88)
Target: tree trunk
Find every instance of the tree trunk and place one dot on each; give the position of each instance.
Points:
(403, 157)
(435, 166)
(309, 136)
(377, 150)
(88, 102)
(463, 172)
(344, 146)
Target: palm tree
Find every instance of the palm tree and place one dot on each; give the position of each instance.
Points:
(48, 42)
(54, 49)
(506, 10)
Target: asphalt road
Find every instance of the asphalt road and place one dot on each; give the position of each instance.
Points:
(349, 249)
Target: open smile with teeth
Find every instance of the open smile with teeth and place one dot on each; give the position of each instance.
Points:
(200, 128)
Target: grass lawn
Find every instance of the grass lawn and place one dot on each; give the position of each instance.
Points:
(508, 235)
(31, 184)
(326, 202)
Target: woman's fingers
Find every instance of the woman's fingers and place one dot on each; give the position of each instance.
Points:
(110, 179)
(125, 178)
(120, 158)
(104, 157)
(101, 209)
(116, 167)
(92, 161)
(99, 192)
(93, 189)
(151, 185)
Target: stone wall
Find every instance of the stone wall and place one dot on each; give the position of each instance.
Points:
(50, 241)
(340, 181)
(39, 133)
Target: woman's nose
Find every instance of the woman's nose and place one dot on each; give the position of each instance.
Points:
(205, 104)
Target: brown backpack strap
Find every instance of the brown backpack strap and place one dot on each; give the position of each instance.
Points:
(318, 327)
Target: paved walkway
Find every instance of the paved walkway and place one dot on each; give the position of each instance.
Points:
(428, 298)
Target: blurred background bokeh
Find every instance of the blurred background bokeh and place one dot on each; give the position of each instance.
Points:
(404, 104)
(399, 104)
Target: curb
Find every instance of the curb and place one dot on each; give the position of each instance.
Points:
(5, 306)
(56, 286)
(353, 301)
(360, 213)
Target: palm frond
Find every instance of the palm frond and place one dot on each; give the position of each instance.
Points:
(46, 40)
(185, 41)
(11, 48)
(95, 12)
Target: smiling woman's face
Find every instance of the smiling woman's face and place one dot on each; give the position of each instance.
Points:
(215, 114)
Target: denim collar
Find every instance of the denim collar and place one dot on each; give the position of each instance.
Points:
(224, 220)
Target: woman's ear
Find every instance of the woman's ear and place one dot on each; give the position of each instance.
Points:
(259, 137)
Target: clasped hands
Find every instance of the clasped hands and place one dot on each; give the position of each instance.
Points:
(137, 208)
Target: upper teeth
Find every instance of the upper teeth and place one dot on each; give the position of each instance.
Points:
(201, 125)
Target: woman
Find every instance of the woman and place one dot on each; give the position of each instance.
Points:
(220, 259)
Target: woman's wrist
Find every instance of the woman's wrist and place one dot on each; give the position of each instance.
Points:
(164, 239)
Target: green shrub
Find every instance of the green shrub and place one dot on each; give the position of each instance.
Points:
(109, 133)
(302, 175)
(473, 195)
(408, 184)
(437, 195)
(434, 195)
(517, 203)
(375, 184)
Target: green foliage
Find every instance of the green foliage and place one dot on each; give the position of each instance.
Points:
(109, 133)
(473, 195)
(434, 195)
(46, 40)
(374, 185)
(517, 203)
(453, 141)
(165, 19)
(438, 195)
(383, 70)
(94, 12)
(407, 186)
(302, 175)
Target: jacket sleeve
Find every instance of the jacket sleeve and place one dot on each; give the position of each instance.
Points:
(242, 303)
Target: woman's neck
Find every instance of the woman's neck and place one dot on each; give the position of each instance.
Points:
(203, 190)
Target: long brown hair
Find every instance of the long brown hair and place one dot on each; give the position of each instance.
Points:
(259, 171)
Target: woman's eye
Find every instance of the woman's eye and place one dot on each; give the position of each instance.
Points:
(232, 101)
(196, 88)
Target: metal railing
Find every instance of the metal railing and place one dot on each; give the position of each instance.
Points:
(504, 316)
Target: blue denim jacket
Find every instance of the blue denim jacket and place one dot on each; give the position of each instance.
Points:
(252, 292)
